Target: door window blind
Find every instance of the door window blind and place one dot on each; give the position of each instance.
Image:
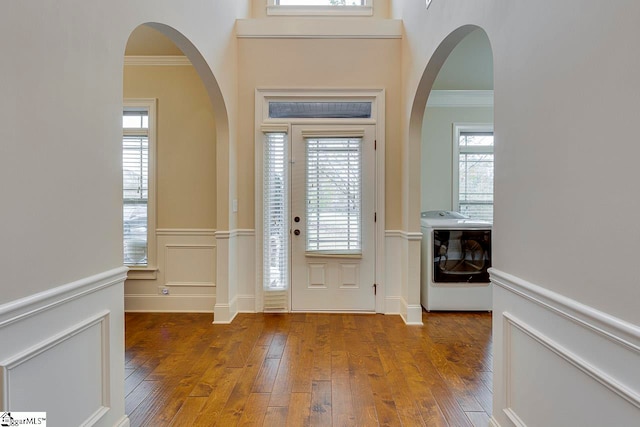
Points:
(333, 195)
(275, 217)
(135, 186)
(475, 177)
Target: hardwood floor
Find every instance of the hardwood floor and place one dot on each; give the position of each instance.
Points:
(308, 370)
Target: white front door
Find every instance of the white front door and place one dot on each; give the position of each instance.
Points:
(332, 218)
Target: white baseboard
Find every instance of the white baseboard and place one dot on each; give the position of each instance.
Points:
(554, 352)
(493, 422)
(124, 422)
(169, 303)
(74, 332)
(392, 305)
(246, 303)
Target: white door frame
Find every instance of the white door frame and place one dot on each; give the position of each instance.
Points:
(262, 122)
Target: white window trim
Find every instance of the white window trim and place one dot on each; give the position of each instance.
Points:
(265, 124)
(276, 10)
(149, 272)
(459, 128)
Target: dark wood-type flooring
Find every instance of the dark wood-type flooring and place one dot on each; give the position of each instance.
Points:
(308, 370)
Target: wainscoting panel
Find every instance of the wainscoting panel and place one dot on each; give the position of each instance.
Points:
(186, 274)
(62, 352)
(402, 275)
(560, 363)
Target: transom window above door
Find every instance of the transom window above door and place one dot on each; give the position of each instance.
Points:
(320, 7)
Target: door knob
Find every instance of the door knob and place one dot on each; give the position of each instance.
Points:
(296, 232)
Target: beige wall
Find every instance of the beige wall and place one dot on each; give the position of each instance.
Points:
(437, 151)
(317, 63)
(186, 143)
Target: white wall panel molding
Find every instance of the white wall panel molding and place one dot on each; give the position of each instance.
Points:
(172, 303)
(186, 269)
(402, 266)
(576, 361)
(460, 98)
(19, 370)
(246, 273)
(608, 326)
(225, 308)
(319, 28)
(185, 232)
(156, 60)
(36, 304)
(62, 352)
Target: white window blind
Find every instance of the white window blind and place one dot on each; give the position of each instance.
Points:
(135, 186)
(275, 217)
(334, 195)
(475, 175)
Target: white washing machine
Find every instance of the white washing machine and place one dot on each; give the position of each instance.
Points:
(456, 253)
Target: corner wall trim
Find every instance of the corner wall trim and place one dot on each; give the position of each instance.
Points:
(460, 98)
(610, 327)
(32, 305)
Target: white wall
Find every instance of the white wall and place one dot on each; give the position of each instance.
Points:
(60, 129)
(565, 91)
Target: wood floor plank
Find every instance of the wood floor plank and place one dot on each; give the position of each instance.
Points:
(321, 404)
(308, 369)
(299, 410)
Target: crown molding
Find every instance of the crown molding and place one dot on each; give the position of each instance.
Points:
(319, 28)
(460, 98)
(163, 60)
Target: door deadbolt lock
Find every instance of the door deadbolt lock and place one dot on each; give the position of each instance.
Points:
(296, 232)
(296, 219)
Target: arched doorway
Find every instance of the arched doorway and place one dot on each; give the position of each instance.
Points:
(174, 120)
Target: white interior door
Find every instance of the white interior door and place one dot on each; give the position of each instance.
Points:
(332, 218)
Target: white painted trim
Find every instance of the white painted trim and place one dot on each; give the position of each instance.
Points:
(595, 373)
(197, 303)
(614, 329)
(318, 28)
(455, 155)
(151, 105)
(36, 304)
(242, 233)
(222, 234)
(514, 418)
(101, 319)
(392, 305)
(246, 304)
(407, 235)
(335, 11)
(157, 60)
(460, 98)
(227, 312)
(378, 100)
(124, 422)
(185, 232)
(493, 422)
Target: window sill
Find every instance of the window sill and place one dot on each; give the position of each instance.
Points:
(142, 273)
(319, 28)
(320, 11)
(333, 255)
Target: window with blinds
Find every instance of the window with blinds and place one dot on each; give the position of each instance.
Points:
(135, 185)
(475, 174)
(333, 195)
(275, 215)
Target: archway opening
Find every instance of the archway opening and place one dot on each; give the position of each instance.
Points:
(452, 122)
(174, 118)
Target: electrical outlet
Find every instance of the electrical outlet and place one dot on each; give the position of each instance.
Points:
(163, 290)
